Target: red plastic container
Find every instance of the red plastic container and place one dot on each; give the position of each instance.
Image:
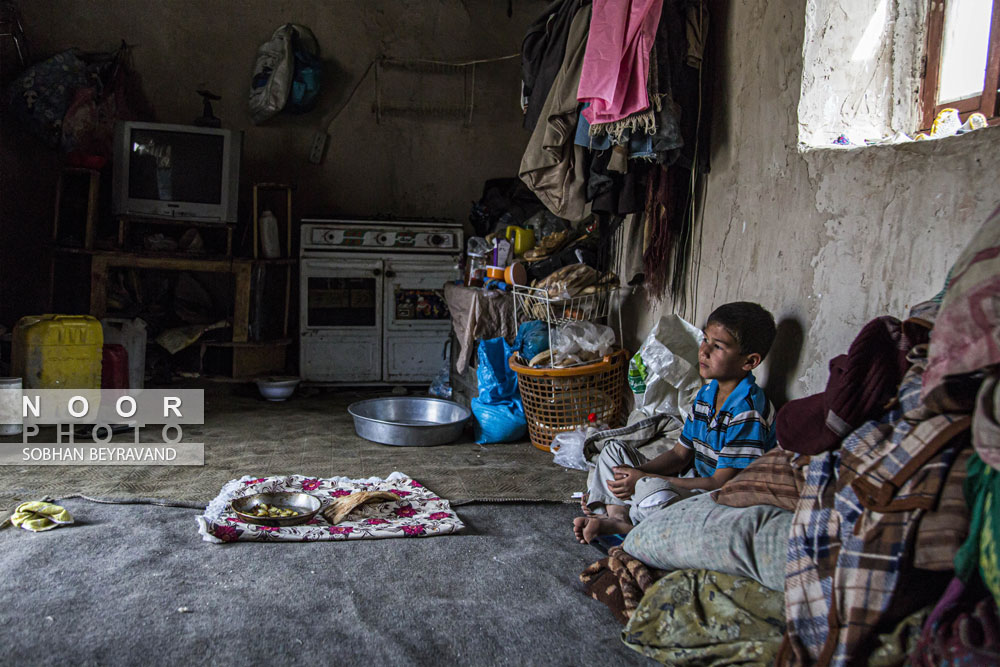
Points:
(114, 367)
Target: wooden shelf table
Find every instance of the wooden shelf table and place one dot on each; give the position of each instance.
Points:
(240, 269)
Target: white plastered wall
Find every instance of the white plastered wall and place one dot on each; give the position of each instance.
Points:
(861, 68)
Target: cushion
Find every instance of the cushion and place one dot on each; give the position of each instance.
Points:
(769, 480)
(966, 334)
(698, 533)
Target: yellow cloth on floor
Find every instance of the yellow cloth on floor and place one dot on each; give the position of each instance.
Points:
(37, 516)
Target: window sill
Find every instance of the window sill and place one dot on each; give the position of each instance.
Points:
(919, 146)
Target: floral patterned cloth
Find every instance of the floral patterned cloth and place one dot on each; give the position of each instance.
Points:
(417, 513)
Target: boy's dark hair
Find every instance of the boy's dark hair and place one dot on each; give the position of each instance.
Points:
(749, 323)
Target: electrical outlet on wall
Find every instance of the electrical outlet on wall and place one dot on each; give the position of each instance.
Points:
(318, 147)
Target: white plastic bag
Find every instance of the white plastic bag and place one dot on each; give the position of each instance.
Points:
(670, 359)
(567, 447)
(272, 75)
(578, 342)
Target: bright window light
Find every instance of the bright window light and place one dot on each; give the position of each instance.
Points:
(872, 36)
(963, 50)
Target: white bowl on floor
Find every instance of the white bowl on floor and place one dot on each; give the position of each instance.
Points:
(277, 388)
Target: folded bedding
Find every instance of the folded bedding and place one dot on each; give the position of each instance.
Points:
(705, 618)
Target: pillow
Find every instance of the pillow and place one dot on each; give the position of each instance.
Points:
(769, 480)
(698, 533)
(966, 334)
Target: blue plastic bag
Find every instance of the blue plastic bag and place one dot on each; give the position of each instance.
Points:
(498, 410)
(532, 339)
(496, 380)
(305, 77)
(499, 422)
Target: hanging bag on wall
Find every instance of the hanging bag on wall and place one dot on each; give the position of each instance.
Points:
(40, 96)
(272, 75)
(88, 126)
(307, 70)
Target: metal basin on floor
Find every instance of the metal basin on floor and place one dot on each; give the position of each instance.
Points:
(409, 421)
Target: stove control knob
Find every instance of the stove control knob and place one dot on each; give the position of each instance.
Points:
(437, 240)
(383, 239)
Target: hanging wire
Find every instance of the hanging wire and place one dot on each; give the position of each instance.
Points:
(376, 65)
(468, 67)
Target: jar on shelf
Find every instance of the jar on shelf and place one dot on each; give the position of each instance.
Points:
(475, 272)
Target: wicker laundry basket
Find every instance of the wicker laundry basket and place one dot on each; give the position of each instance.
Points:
(561, 399)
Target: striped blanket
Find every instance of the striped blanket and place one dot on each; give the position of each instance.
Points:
(855, 523)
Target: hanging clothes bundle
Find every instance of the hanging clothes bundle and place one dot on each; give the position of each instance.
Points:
(610, 103)
(676, 184)
(616, 66)
(553, 166)
(542, 54)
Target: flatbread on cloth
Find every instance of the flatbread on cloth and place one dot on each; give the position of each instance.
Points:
(415, 510)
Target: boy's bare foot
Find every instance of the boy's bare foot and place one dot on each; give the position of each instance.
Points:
(586, 528)
(584, 507)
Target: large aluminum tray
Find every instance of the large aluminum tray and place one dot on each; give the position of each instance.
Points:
(409, 421)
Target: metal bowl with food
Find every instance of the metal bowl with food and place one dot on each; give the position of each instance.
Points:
(277, 509)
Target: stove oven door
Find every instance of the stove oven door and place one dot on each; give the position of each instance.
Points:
(341, 319)
(417, 320)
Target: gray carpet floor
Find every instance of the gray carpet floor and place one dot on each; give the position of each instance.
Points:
(108, 590)
(310, 435)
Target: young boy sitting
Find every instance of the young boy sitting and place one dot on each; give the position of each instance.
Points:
(732, 423)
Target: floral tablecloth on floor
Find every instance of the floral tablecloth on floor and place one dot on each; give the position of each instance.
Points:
(417, 513)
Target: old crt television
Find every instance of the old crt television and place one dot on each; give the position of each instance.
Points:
(176, 171)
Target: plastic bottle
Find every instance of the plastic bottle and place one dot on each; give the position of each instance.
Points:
(10, 406)
(270, 241)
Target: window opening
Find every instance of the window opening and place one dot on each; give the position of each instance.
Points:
(962, 69)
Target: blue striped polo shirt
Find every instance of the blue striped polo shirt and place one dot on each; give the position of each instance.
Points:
(733, 437)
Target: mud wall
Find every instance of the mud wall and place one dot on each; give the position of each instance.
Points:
(827, 239)
(427, 164)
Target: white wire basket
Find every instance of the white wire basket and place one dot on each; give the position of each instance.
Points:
(598, 304)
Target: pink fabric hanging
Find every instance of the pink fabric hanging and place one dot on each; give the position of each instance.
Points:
(616, 63)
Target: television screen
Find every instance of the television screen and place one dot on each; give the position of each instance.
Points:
(176, 166)
(176, 171)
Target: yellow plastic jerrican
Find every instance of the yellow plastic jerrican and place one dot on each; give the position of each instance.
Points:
(58, 352)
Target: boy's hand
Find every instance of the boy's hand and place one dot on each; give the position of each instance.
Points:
(623, 485)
